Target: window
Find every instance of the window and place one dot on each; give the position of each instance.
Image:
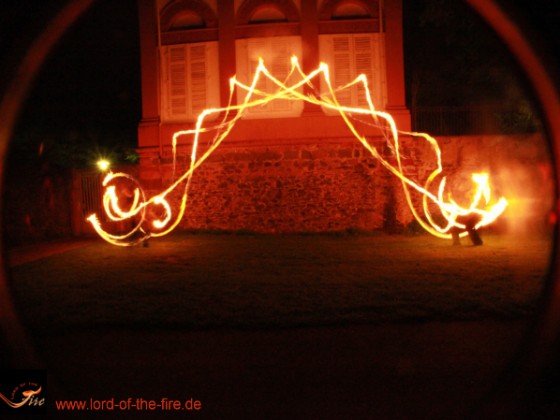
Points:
(190, 80)
(276, 53)
(349, 55)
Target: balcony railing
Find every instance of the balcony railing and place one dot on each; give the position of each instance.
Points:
(470, 120)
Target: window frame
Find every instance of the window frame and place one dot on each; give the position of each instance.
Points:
(188, 66)
(246, 61)
(377, 80)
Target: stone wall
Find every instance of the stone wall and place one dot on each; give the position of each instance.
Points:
(287, 188)
(339, 186)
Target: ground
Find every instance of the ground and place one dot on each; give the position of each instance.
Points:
(257, 326)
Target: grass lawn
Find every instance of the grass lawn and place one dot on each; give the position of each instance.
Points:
(209, 316)
(199, 281)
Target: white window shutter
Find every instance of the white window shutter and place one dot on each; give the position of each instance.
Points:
(348, 56)
(197, 79)
(373, 61)
(191, 80)
(280, 65)
(343, 71)
(363, 65)
(379, 72)
(177, 86)
(256, 48)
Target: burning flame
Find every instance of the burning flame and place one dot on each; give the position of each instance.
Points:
(137, 207)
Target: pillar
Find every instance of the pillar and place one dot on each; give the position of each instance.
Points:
(226, 36)
(310, 47)
(148, 130)
(396, 103)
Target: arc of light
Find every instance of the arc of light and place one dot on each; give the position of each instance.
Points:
(449, 209)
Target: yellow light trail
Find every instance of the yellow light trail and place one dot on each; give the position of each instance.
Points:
(136, 208)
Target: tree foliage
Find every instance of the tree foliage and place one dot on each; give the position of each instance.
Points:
(454, 58)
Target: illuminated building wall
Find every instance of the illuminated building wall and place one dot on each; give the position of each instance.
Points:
(289, 166)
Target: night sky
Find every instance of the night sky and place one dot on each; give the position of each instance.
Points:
(86, 100)
(94, 74)
(100, 51)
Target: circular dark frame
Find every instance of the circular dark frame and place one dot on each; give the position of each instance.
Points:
(539, 349)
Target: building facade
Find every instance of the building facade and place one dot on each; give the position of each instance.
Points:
(286, 166)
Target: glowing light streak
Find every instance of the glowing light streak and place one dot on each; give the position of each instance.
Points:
(451, 211)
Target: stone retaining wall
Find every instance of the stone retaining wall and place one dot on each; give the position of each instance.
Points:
(339, 186)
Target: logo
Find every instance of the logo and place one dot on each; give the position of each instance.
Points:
(23, 391)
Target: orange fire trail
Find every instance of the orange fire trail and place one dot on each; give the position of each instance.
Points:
(136, 210)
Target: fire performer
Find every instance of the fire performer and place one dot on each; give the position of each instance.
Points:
(469, 221)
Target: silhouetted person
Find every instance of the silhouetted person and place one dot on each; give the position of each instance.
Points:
(470, 222)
